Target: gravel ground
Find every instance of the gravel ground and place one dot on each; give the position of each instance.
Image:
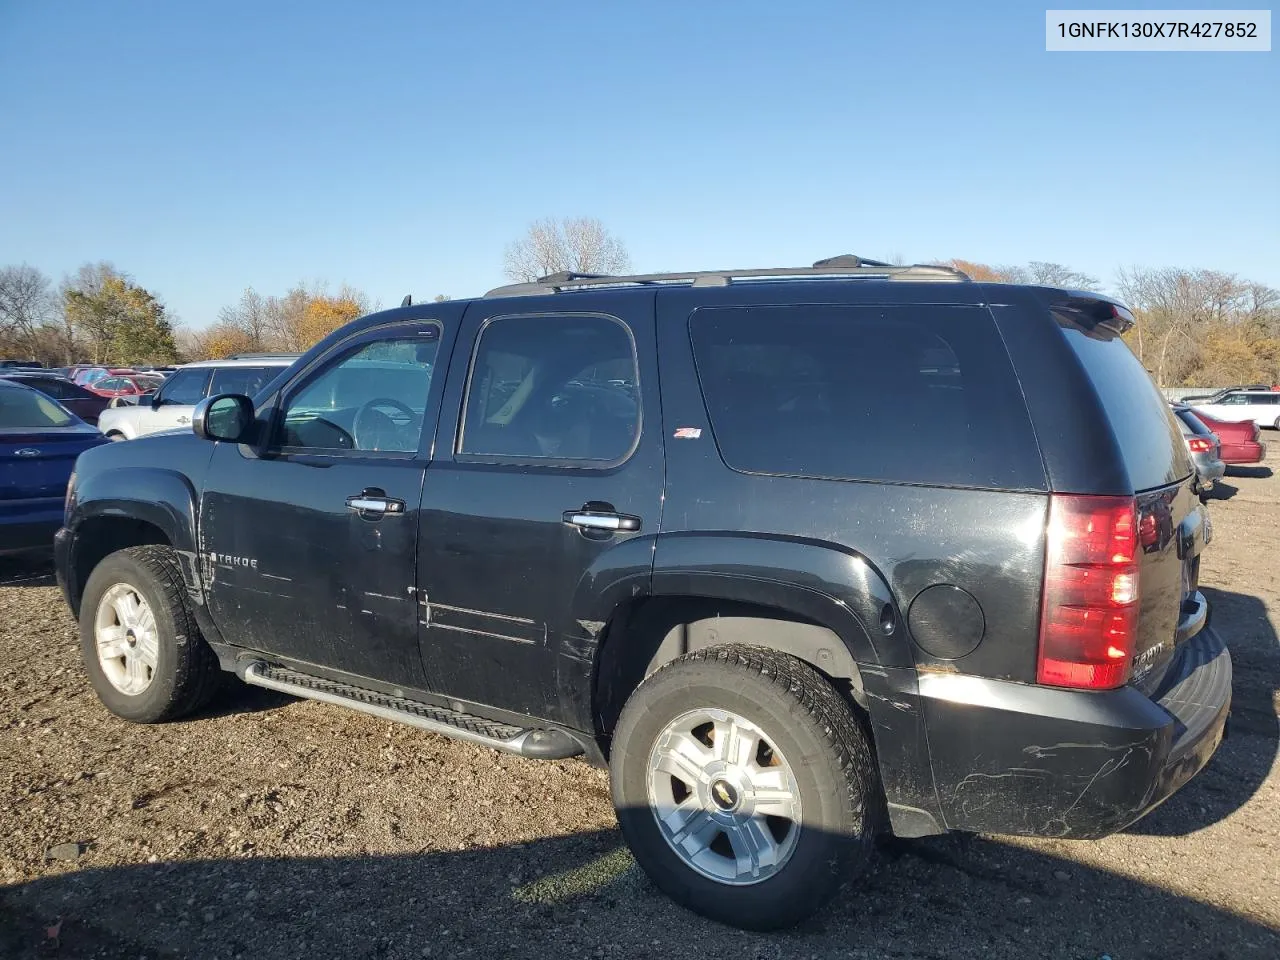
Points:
(272, 827)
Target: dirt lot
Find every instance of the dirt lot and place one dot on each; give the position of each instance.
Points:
(281, 828)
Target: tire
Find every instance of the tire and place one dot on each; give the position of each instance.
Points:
(815, 744)
(165, 669)
(1277, 423)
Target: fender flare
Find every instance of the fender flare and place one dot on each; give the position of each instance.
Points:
(163, 498)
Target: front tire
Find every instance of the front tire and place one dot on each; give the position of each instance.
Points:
(141, 647)
(744, 785)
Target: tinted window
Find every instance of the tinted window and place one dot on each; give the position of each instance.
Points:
(109, 383)
(243, 380)
(1233, 399)
(372, 397)
(1266, 399)
(1193, 423)
(912, 395)
(186, 387)
(558, 388)
(26, 408)
(1144, 426)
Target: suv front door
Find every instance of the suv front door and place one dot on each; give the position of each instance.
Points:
(545, 489)
(309, 538)
(173, 402)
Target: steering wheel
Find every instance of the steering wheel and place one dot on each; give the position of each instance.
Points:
(374, 430)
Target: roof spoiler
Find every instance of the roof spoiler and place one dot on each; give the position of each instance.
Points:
(1095, 310)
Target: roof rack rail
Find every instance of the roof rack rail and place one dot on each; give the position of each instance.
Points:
(845, 265)
(261, 356)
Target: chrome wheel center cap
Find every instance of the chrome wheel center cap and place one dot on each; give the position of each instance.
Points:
(725, 795)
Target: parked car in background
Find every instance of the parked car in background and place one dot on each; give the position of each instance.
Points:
(39, 443)
(126, 385)
(1203, 446)
(1240, 441)
(1219, 394)
(170, 406)
(86, 376)
(1236, 406)
(84, 403)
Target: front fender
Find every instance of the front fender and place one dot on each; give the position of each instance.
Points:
(163, 498)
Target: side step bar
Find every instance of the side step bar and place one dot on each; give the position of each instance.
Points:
(539, 744)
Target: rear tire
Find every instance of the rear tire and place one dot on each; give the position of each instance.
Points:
(141, 647)
(711, 741)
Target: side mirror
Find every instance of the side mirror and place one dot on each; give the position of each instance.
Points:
(227, 417)
(152, 399)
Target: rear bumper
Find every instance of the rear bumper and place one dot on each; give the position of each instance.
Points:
(1019, 759)
(29, 524)
(1246, 451)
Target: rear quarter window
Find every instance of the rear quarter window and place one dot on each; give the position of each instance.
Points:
(920, 394)
(1145, 428)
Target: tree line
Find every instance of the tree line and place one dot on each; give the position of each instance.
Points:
(1195, 327)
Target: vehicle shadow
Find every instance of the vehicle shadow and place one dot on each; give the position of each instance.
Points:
(235, 697)
(582, 895)
(1256, 473)
(31, 569)
(1249, 751)
(1222, 491)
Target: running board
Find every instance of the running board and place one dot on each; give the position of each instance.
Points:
(538, 744)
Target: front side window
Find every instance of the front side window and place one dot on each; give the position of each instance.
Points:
(186, 387)
(27, 408)
(553, 388)
(372, 398)
(109, 383)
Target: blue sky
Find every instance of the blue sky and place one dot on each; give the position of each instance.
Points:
(399, 147)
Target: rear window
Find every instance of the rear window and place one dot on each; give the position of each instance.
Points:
(1150, 441)
(1193, 424)
(921, 394)
(26, 408)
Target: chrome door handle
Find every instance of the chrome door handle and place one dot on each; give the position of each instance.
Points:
(380, 505)
(601, 521)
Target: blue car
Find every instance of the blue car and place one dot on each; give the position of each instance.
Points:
(39, 443)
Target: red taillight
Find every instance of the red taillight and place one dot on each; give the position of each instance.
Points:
(1089, 614)
(1199, 445)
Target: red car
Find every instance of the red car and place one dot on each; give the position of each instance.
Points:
(1240, 443)
(125, 385)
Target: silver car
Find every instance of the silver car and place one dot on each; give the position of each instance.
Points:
(1204, 447)
(169, 408)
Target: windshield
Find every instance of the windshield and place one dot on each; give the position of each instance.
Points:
(26, 408)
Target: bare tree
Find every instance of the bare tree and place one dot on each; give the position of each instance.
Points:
(1054, 275)
(575, 244)
(251, 316)
(26, 306)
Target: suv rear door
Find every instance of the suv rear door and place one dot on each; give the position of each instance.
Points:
(546, 486)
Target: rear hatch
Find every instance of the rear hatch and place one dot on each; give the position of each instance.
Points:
(1172, 523)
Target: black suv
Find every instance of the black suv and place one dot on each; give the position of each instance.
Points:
(800, 554)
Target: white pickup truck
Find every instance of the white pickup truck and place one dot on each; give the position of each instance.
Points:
(169, 408)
